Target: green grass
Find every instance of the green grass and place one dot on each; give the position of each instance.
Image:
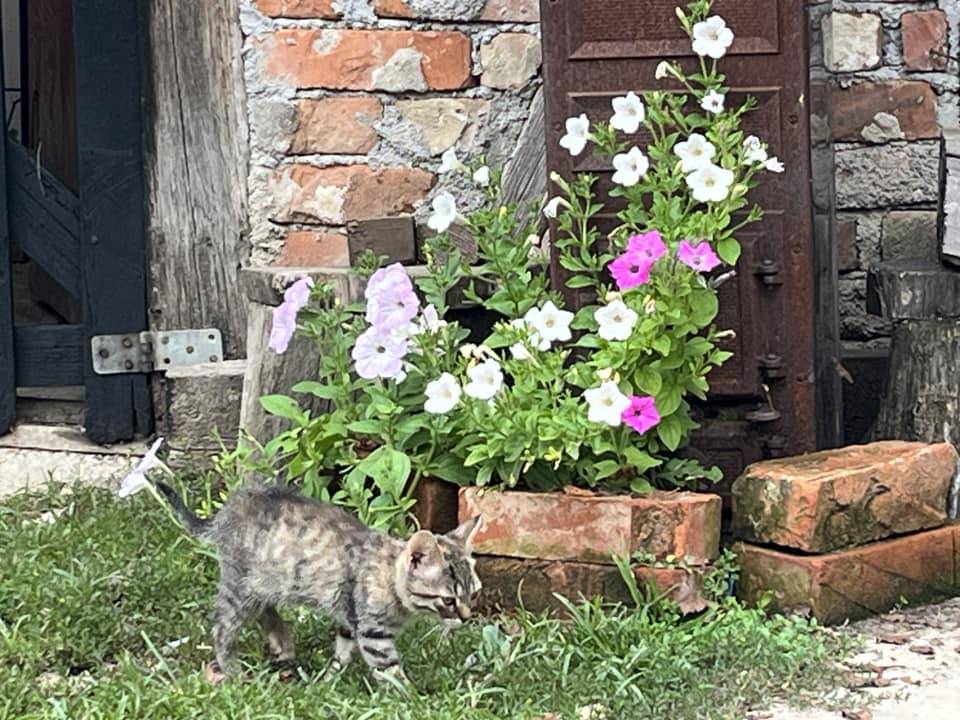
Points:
(90, 601)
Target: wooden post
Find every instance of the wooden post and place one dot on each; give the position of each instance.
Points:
(113, 243)
(8, 383)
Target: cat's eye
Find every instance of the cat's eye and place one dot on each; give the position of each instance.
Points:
(449, 602)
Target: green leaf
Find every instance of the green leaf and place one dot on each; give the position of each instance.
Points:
(366, 427)
(729, 251)
(641, 460)
(641, 486)
(606, 468)
(669, 399)
(661, 344)
(317, 389)
(670, 431)
(703, 307)
(648, 380)
(282, 406)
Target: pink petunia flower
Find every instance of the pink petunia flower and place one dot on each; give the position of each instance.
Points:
(630, 270)
(641, 414)
(395, 306)
(284, 326)
(699, 257)
(385, 278)
(650, 245)
(379, 354)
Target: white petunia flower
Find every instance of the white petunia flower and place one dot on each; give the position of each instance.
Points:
(606, 404)
(628, 113)
(630, 167)
(753, 151)
(710, 183)
(449, 162)
(444, 212)
(443, 394)
(695, 153)
(774, 165)
(482, 176)
(519, 350)
(551, 323)
(616, 321)
(486, 379)
(578, 132)
(662, 71)
(137, 479)
(712, 37)
(552, 207)
(712, 102)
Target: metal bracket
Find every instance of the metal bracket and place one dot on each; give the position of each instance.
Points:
(149, 351)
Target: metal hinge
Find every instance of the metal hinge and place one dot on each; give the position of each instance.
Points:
(149, 351)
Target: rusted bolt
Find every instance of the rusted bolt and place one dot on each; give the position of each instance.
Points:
(128, 364)
(104, 353)
(127, 343)
(189, 349)
(214, 358)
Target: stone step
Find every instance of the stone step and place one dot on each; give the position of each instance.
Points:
(857, 583)
(193, 401)
(837, 499)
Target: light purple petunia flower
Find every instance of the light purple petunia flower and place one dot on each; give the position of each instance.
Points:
(641, 414)
(630, 270)
(284, 326)
(395, 306)
(699, 257)
(386, 278)
(298, 294)
(379, 354)
(650, 245)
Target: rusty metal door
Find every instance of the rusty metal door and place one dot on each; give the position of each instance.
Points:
(596, 50)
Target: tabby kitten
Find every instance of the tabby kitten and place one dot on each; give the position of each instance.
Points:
(278, 547)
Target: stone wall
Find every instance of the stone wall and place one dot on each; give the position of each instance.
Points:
(352, 103)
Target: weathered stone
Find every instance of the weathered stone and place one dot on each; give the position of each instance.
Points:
(436, 508)
(857, 583)
(199, 400)
(392, 238)
(462, 10)
(313, 249)
(442, 121)
(337, 125)
(389, 60)
(882, 111)
(341, 193)
(838, 499)
(298, 8)
(510, 60)
(910, 235)
(846, 237)
(855, 321)
(509, 583)
(594, 528)
(925, 40)
(511, 11)
(851, 41)
(909, 173)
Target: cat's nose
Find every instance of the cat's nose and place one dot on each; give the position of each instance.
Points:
(463, 611)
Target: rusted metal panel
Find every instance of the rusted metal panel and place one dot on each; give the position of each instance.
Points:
(596, 50)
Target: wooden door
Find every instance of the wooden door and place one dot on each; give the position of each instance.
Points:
(72, 200)
(596, 50)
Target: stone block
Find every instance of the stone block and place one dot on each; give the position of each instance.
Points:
(313, 248)
(336, 125)
(846, 237)
(593, 528)
(463, 10)
(851, 41)
(853, 584)
(509, 583)
(443, 121)
(298, 8)
(837, 499)
(198, 400)
(909, 171)
(882, 111)
(510, 60)
(390, 237)
(511, 11)
(925, 40)
(910, 235)
(340, 193)
(387, 60)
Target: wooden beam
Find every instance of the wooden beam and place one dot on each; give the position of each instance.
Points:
(8, 383)
(43, 217)
(49, 355)
(113, 240)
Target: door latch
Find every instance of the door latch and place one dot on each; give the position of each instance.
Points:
(150, 351)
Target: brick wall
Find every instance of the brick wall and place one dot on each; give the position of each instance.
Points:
(352, 102)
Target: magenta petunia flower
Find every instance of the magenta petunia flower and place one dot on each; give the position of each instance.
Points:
(630, 270)
(641, 414)
(650, 245)
(284, 326)
(298, 294)
(378, 354)
(699, 257)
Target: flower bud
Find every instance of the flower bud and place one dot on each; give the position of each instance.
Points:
(612, 295)
(604, 374)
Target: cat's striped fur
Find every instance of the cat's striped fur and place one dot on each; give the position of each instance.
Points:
(278, 547)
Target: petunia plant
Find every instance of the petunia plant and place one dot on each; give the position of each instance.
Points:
(598, 395)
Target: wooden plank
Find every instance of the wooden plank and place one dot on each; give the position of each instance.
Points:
(113, 240)
(393, 237)
(8, 381)
(195, 160)
(948, 221)
(49, 355)
(44, 218)
(525, 175)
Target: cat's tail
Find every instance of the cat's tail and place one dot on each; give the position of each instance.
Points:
(195, 526)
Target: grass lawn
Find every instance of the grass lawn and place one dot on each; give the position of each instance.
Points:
(103, 614)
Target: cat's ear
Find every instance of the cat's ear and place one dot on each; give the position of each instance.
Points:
(463, 534)
(423, 549)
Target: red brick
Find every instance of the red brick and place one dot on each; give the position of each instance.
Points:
(391, 60)
(593, 528)
(436, 507)
(341, 193)
(310, 248)
(843, 498)
(339, 125)
(924, 36)
(857, 583)
(298, 8)
(912, 102)
(393, 9)
(510, 582)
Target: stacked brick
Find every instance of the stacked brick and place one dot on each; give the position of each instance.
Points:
(847, 533)
(351, 103)
(532, 545)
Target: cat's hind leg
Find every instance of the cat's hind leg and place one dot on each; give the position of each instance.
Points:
(279, 637)
(231, 608)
